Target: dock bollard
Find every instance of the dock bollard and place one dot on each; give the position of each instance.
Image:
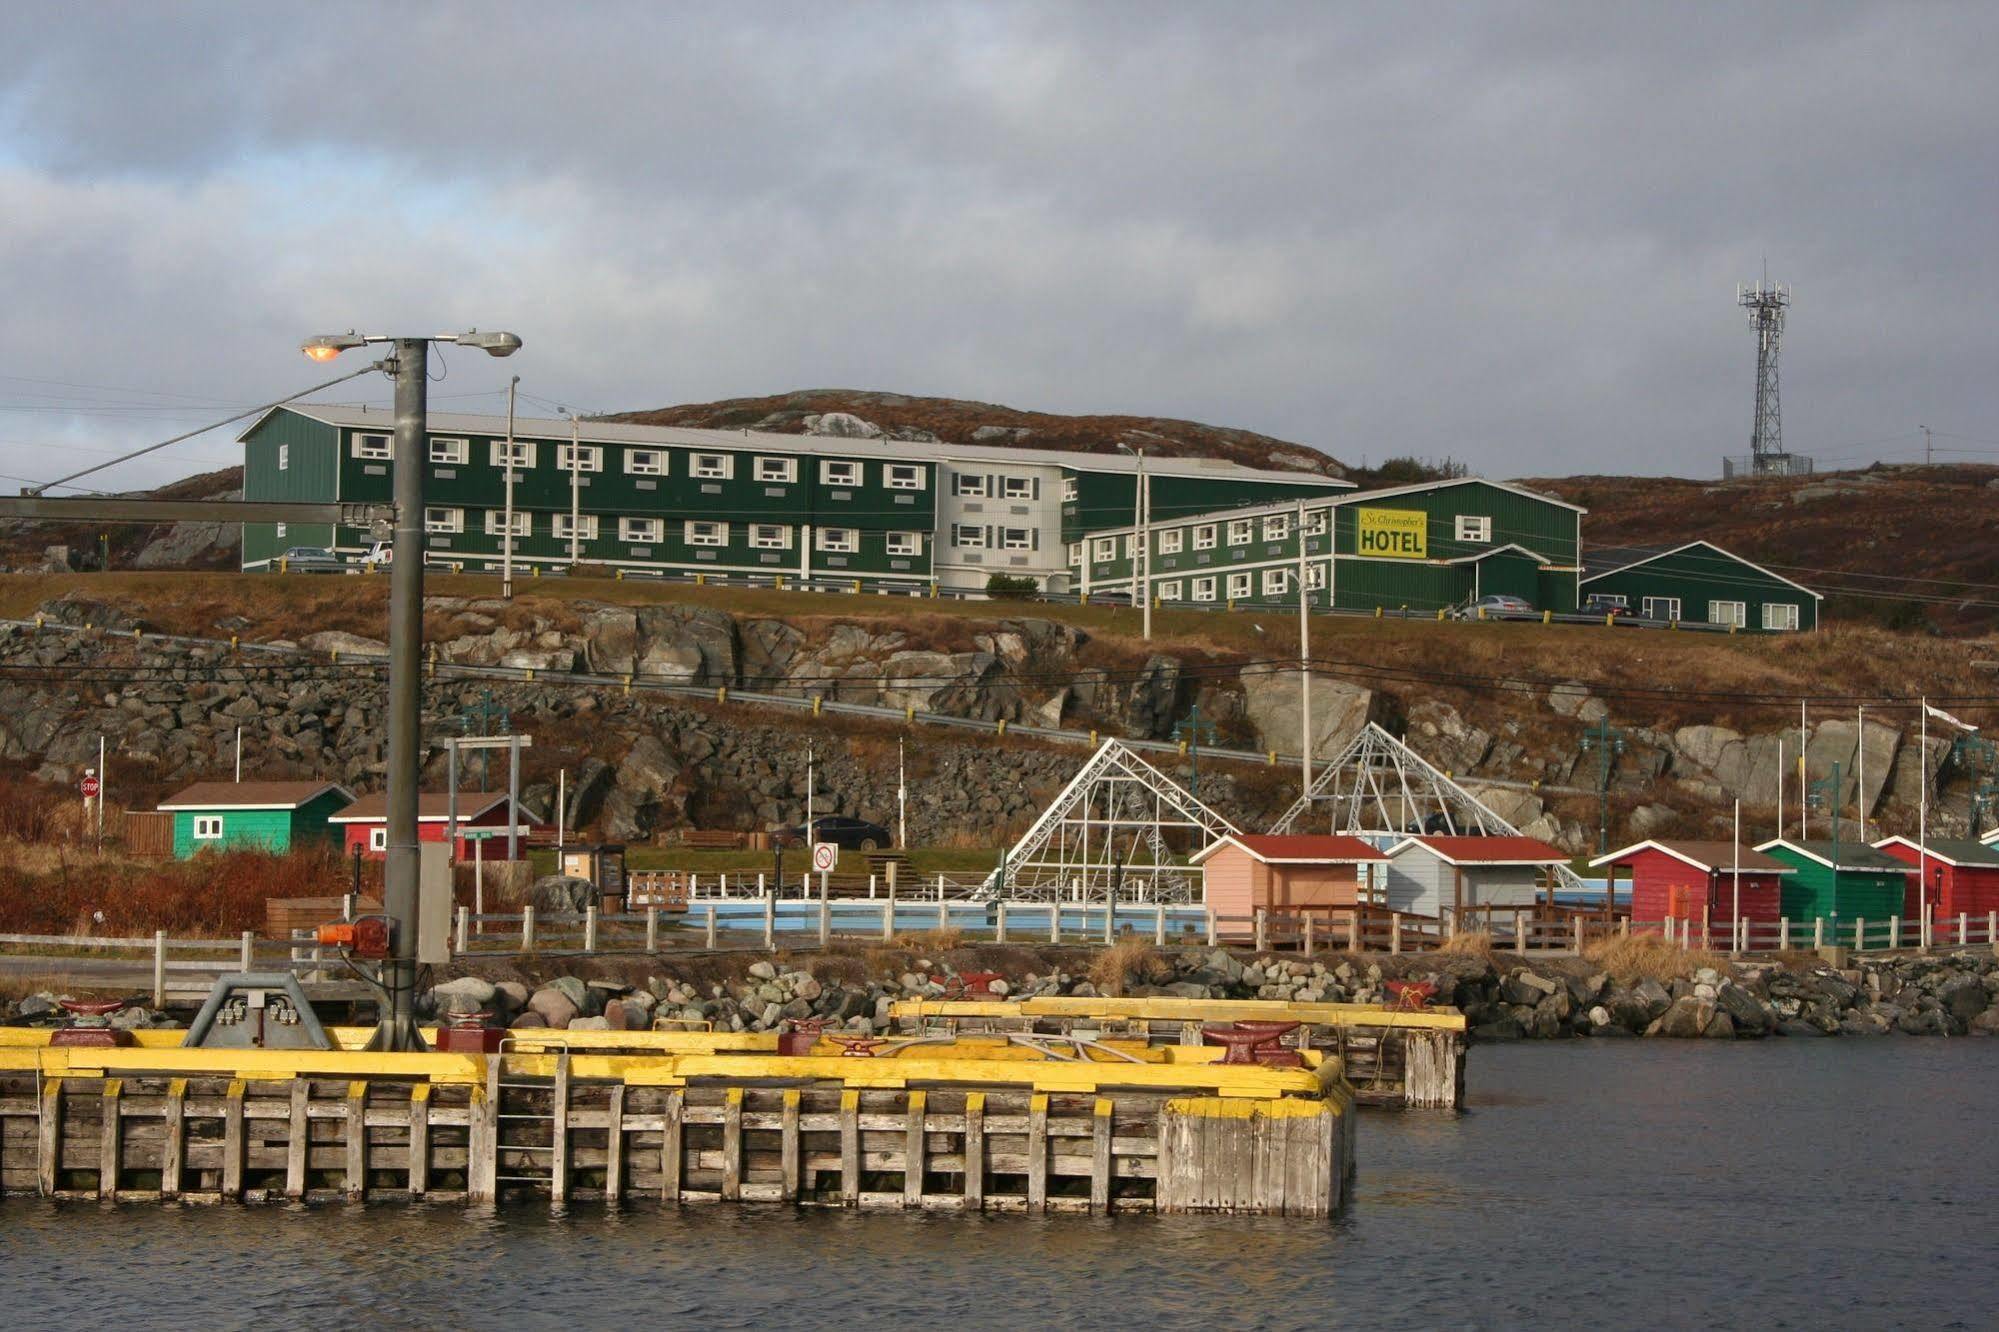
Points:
(999, 922)
(652, 929)
(711, 925)
(459, 940)
(770, 919)
(1159, 924)
(888, 919)
(590, 929)
(527, 928)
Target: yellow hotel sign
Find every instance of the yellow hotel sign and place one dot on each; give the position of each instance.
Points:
(1395, 534)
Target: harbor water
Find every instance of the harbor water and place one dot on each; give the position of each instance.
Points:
(1843, 1183)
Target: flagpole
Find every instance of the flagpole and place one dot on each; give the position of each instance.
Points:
(1735, 911)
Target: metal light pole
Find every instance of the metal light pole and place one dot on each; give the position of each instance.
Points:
(1142, 520)
(575, 491)
(507, 529)
(401, 869)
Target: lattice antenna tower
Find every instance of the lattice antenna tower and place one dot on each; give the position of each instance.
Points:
(1765, 303)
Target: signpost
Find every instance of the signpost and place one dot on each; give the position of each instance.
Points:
(825, 855)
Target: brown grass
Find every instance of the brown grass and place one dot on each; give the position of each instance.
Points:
(1472, 943)
(1648, 957)
(929, 942)
(1122, 963)
(211, 895)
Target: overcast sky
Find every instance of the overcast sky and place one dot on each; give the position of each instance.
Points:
(1508, 234)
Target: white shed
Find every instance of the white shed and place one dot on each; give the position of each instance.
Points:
(1449, 876)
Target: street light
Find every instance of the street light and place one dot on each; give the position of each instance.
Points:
(1142, 572)
(401, 869)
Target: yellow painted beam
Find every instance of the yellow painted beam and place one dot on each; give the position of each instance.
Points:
(1187, 1010)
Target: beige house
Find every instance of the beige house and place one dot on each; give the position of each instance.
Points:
(1246, 873)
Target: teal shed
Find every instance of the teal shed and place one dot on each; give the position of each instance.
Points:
(269, 816)
(1839, 880)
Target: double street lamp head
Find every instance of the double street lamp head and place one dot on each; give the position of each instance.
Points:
(329, 345)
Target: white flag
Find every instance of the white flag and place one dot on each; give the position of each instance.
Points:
(1941, 715)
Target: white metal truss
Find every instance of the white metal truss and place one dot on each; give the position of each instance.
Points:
(1381, 789)
(1120, 826)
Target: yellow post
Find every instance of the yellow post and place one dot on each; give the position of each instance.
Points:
(701, 580)
(1183, 749)
(1002, 726)
(1547, 617)
(628, 684)
(1377, 612)
(722, 694)
(909, 714)
(619, 574)
(817, 699)
(1440, 612)
(857, 587)
(1093, 739)
(1270, 758)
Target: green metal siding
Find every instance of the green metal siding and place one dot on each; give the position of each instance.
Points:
(311, 473)
(1510, 574)
(1547, 529)
(309, 821)
(1108, 500)
(1700, 576)
(1401, 585)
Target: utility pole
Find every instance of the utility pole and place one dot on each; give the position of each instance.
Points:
(1304, 657)
(1926, 444)
(902, 801)
(1142, 521)
(575, 491)
(1825, 793)
(507, 530)
(1191, 733)
(1607, 742)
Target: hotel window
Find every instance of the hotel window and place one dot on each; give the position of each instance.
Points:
(1274, 581)
(971, 487)
(698, 532)
(1727, 612)
(1204, 589)
(1662, 608)
(584, 527)
(1169, 542)
(523, 453)
(588, 457)
(1131, 545)
(280, 532)
(1315, 522)
(903, 476)
(770, 536)
(207, 827)
(1780, 615)
(834, 473)
(1241, 532)
(1238, 586)
(905, 543)
(639, 531)
(1068, 488)
(1204, 537)
(1016, 538)
(1473, 528)
(1020, 487)
(1075, 552)
(713, 466)
(968, 536)
(645, 462)
(284, 456)
(1277, 527)
(841, 540)
(374, 446)
(777, 469)
(496, 523)
(444, 520)
(1170, 591)
(1106, 549)
(1315, 577)
(452, 451)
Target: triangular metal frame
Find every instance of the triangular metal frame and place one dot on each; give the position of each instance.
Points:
(1379, 788)
(1110, 822)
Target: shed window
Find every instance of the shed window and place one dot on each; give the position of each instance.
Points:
(1727, 612)
(453, 451)
(1472, 527)
(713, 466)
(207, 827)
(777, 469)
(837, 473)
(701, 533)
(378, 839)
(903, 476)
(645, 462)
(374, 446)
(1662, 608)
(1780, 615)
(284, 456)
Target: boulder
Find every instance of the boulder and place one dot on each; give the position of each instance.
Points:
(553, 1007)
(1573, 699)
(1749, 1016)
(841, 425)
(346, 644)
(1687, 1019)
(1274, 705)
(562, 894)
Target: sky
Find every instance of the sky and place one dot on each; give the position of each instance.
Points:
(1505, 234)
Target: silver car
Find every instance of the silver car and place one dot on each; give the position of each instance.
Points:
(309, 559)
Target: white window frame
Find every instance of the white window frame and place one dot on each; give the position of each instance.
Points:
(1131, 545)
(496, 523)
(524, 454)
(1241, 531)
(711, 466)
(968, 485)
(1277, 527)
(284, 457)
(589, 457)
(968, 536)
(1786, 620)
(843, 473)
(1069, 489)
(1653, 604)
(1204, 537)
(1734, 613)
(446, 522)
(1475, 528)
(1315, 522)
(641, 531)
(770, 536)
(1170, 541)
(1315, 577)
(837, 540)
(1204, 589)
(278, 530)
(1020, 487)
(378, 838)
(1105, 549)
(1613, 598)
(1016, 538)
(1239, 585)
(902, 476)
(374, 446)
(779, 470)
(1075, 552)
(905, 543)
(1170, 590)
(586, 527)
(646, 462)
(704, 532)
(208, 827)
(1274, 581)
(451, 452)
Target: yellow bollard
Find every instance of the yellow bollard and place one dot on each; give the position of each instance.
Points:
(283, 564)
(1093, 739)
(1610, 621)
(137, 634)
(701, 580)
(534, 571)
(1002, 726)
(530, 673)
(909, 714)
(1270, 758)
(817, 699)
(1229, 604)
(1547, 617)
(1183, 749)
(232, 642)
(628, 684)
(1440, 613)
(1377, 612)
(619, 575)
(722, 694)
(857, 587)
(39, 622)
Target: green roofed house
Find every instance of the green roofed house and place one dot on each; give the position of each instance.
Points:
(1697, 582)
(270, 816)
(1839, 881)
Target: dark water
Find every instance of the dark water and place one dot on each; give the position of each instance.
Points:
(1822, 1184)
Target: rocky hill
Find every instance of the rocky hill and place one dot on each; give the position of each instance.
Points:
(56, 547)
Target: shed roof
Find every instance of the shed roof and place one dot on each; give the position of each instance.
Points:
(1953, 851)
(1844, 856)
(1709, 856)
(251, 795)
(1295, 849)
(1485, 850)
(431, 807)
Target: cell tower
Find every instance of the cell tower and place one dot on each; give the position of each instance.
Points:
(1766, 303)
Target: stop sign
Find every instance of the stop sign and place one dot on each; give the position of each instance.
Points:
(90, 788)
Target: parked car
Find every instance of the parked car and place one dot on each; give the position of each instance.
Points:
(845, 833)
(1498, 606)
(1604, 607)
(310, 559)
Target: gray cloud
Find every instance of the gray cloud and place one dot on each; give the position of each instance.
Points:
(1508, 234)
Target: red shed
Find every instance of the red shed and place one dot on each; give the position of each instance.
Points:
(1691, 880)
(1245, 872)
(365, 824)
(1964, 876)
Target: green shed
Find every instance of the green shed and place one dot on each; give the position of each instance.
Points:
(1697, 582)
(1839, 881)
(271, 816)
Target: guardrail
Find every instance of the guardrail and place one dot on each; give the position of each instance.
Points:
(180, 967)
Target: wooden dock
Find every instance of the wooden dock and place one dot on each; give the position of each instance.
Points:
(968, 1126)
